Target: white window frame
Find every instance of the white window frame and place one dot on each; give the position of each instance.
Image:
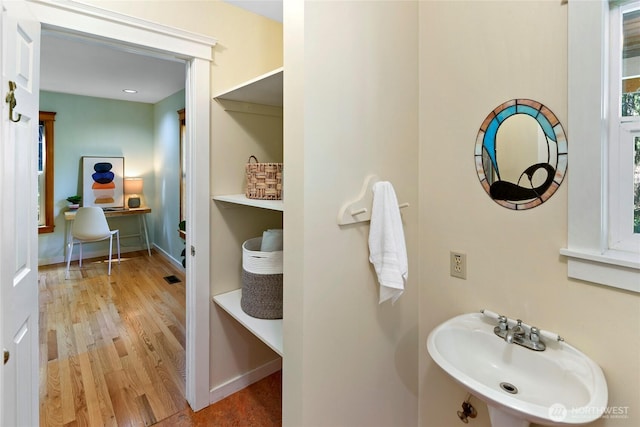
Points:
(621, 134)
(590, 256)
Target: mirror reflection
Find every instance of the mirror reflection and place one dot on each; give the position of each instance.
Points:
(521, 154)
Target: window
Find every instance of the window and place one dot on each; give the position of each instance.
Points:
(45, 172)
(624, 132)
(602, 246)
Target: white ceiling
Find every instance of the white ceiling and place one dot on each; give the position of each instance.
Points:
(82, 66)
(271, 9)
(85, 67)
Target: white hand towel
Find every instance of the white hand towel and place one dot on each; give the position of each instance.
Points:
(387, 249)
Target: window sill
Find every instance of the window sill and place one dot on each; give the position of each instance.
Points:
(613, 268)
(45, 229)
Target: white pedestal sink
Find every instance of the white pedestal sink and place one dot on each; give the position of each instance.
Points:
(557, 386)
(500, 418)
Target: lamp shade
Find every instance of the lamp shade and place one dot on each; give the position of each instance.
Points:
(133, 185)
(133, 188)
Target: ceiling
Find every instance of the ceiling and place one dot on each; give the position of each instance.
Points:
(83, 66)
(271, 9)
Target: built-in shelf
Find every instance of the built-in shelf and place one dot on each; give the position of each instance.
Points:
(241, 199)
(265, 89)
(262, 95)
(268, 330)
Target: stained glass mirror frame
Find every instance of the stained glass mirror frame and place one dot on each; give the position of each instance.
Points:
(512, 195)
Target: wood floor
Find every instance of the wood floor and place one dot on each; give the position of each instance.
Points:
(112, 350)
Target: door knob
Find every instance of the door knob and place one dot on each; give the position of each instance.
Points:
(6, 356)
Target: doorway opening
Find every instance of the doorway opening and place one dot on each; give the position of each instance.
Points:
(146, 38)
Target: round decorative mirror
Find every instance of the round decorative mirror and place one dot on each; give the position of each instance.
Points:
(521, 154)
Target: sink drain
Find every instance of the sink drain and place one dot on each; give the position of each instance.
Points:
(509, 388)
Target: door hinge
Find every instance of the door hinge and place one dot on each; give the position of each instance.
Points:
(6, 356)
(193, 250)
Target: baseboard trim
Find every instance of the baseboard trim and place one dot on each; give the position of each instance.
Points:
(220, 392)
(168, 257)
(90, 254)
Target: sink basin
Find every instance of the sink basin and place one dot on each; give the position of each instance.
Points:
(558, 386)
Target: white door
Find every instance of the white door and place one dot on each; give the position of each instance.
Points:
(18, 220)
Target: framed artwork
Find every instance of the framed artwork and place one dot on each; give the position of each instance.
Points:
(103, 182)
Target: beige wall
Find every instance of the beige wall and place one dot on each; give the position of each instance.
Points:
(473, 56)
(248, 44)
(350, 110)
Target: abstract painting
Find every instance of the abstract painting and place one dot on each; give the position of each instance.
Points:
(103, 182)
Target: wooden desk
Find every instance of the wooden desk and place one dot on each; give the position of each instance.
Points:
(140, 212)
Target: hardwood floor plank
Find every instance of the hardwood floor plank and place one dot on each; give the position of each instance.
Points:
(77, 395)
(52, 346)
(91, 395)
(148, 417)
(121, 349)
(161, 403)
(65, 339)
(51, 406)
(125, 413)
(135, 367)
(102, 392)
(66, 392)
(108, 357)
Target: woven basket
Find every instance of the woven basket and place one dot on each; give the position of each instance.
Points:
(262, 295)
(261, 281)
(264, 180)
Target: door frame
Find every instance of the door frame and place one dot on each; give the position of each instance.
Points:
(144, 37)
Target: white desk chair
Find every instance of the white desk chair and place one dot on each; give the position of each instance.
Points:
(90, 225)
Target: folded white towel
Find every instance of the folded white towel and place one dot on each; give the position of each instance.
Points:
(387, 249)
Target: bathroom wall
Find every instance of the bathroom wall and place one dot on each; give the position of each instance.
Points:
(473, 56)
(351, 109)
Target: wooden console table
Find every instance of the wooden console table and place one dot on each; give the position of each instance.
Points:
(111, 213)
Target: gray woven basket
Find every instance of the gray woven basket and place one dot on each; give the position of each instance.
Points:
(262, 295)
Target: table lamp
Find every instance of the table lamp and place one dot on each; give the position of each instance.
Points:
(133, 188)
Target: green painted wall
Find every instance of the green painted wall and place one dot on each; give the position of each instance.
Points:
(87, 126)
(167, 174)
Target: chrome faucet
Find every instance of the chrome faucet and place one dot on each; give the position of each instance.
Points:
(516, 332)
(518, 335)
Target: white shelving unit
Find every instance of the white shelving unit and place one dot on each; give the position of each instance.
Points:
(265, 90)
(241, 199)
(262, 95)
(268, 330)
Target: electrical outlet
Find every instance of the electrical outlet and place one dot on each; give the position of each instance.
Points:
(458, 265)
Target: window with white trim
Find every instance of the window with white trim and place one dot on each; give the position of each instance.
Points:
(604, 136)
(624, 128)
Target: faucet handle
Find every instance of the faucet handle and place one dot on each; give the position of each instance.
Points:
(502, 322)
(534, 334)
